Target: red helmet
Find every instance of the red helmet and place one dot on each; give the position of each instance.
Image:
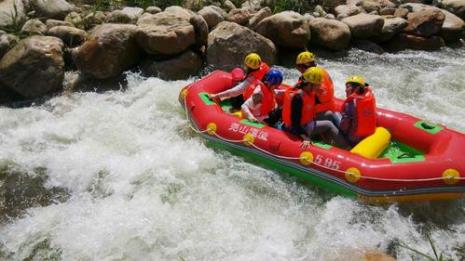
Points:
(237, 74)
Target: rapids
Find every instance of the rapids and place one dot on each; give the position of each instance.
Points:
(141, 186)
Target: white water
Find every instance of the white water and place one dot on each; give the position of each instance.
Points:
(143, 187)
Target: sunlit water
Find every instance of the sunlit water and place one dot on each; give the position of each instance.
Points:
(143, 187)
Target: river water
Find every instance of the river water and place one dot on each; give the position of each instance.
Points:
(141, 186)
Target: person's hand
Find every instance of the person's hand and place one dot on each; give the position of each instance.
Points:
(214, 98)
(253, 119)
(305, 144)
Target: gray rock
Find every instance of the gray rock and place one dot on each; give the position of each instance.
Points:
(229, 43)
(368, 46)
(57, 9)
(4, 43)
(75, 19)
(424, 20)
(452, 28)
(287, 29)
(211, 16)
(71, 36)
(343, 11)
(332, 34)
(127, 15)
(34, 26)
(52, 23)
(252, 5)
(456, 7)
(258, 17)
(12, 14)
(387, 11)
(33, 67)
(176, 68)
(93, 19)
(239, 16)
(364, 26)
(331, 4)
(391, 27)
(109, 50)
(153, 9)
(229, 5)
(405, 41)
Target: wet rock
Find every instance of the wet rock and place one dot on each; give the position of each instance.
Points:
(75, 19)
(391, 27)
(127, 15)
(343, 11)
(57, 9)
(153, 9)
(424, 20)
(258, 17)
(252, 5)
(33, 67)
(229, 43)
(368, 46)
(212, 15)
(176, 68)
(364, 26)
(406, 41)
(34, 27)
(456, 7)
(228, 5)
(239, 16)
(93, 19)
(287, 29)
(387, 11)
(376, 5)
(109, 50)
(452, 28)
(71, 36)
(332, 34)
(52, 23)
(12, 14)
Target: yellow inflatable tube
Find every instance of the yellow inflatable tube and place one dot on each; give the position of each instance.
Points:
(372, 146)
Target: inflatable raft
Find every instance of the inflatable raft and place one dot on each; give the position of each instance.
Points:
(407, 159)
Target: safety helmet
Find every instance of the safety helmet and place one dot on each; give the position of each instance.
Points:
(313, 75)
(273, 77)
(305, 57)
(253, 60)
(237, 74)
(359, 80)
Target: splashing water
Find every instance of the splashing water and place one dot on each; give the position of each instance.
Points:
(142, 187)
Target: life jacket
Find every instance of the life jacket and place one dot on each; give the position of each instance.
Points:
(326, 94)
(365, 112)
(258, 75)
(308, 106)
(268, 99)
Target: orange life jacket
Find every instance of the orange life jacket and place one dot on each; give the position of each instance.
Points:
(365, 112)
(260, 72)
(308, 106)
(268, 99)
(326, 94)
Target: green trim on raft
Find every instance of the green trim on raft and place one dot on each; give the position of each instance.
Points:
(400, 153)
(322, 145)
(252, 124)
(205, 99)
(429, 127)
(275, 165)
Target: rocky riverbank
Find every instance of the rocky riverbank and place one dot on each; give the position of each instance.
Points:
(47, 46)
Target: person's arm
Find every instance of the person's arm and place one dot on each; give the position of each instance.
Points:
(296, 114)
(234, 91)
(246, 109)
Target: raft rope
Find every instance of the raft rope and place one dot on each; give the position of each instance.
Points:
(299, 158)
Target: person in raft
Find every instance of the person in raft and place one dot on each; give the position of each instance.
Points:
(325, 93)
(299, 111)
(358, 110)
(255, 69)
(260, 104)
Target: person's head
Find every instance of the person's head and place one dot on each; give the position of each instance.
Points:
(304, 61)
(237, 75)
(252, 61)
(273, 78)
(313, 77)
(355, 83)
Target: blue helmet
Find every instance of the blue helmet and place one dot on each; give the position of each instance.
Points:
(273, 77)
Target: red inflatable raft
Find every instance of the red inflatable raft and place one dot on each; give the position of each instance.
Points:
(422, 161)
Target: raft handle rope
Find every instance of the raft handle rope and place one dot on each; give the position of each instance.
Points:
(299, 158)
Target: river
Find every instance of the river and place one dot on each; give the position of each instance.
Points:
(140, 185)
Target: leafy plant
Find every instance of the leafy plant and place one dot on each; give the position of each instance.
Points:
(16, 25)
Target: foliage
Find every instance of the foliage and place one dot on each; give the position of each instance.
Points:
(16, 25)
(300, 6)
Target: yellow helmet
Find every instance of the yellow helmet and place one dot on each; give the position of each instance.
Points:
(356, 79)
(305, 57)
(314, 75)
(253, 60)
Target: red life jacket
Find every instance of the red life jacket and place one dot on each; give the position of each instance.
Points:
(326, 94)
(260, 72)
(268, 99)
(365, 110)
(308, 107)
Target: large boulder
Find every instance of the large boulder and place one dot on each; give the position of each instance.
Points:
(110, 50)
(12, 14)
(34, 67)
(258, 17)
(127, 15)
(53, 22)
(376, 5)
(34, 26)
(176, 68)
(213, 15)
(229, 43)
(57, 9)
(364, 26)
(391, 27)
(452, 28)
(93, 19)
(343, 11)
(424, 20)
(240, 16)
(71, 36)
(153, 9)
(407, 41)
(329, 33)
(286, 29)
(75, 19)
(456, 7)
